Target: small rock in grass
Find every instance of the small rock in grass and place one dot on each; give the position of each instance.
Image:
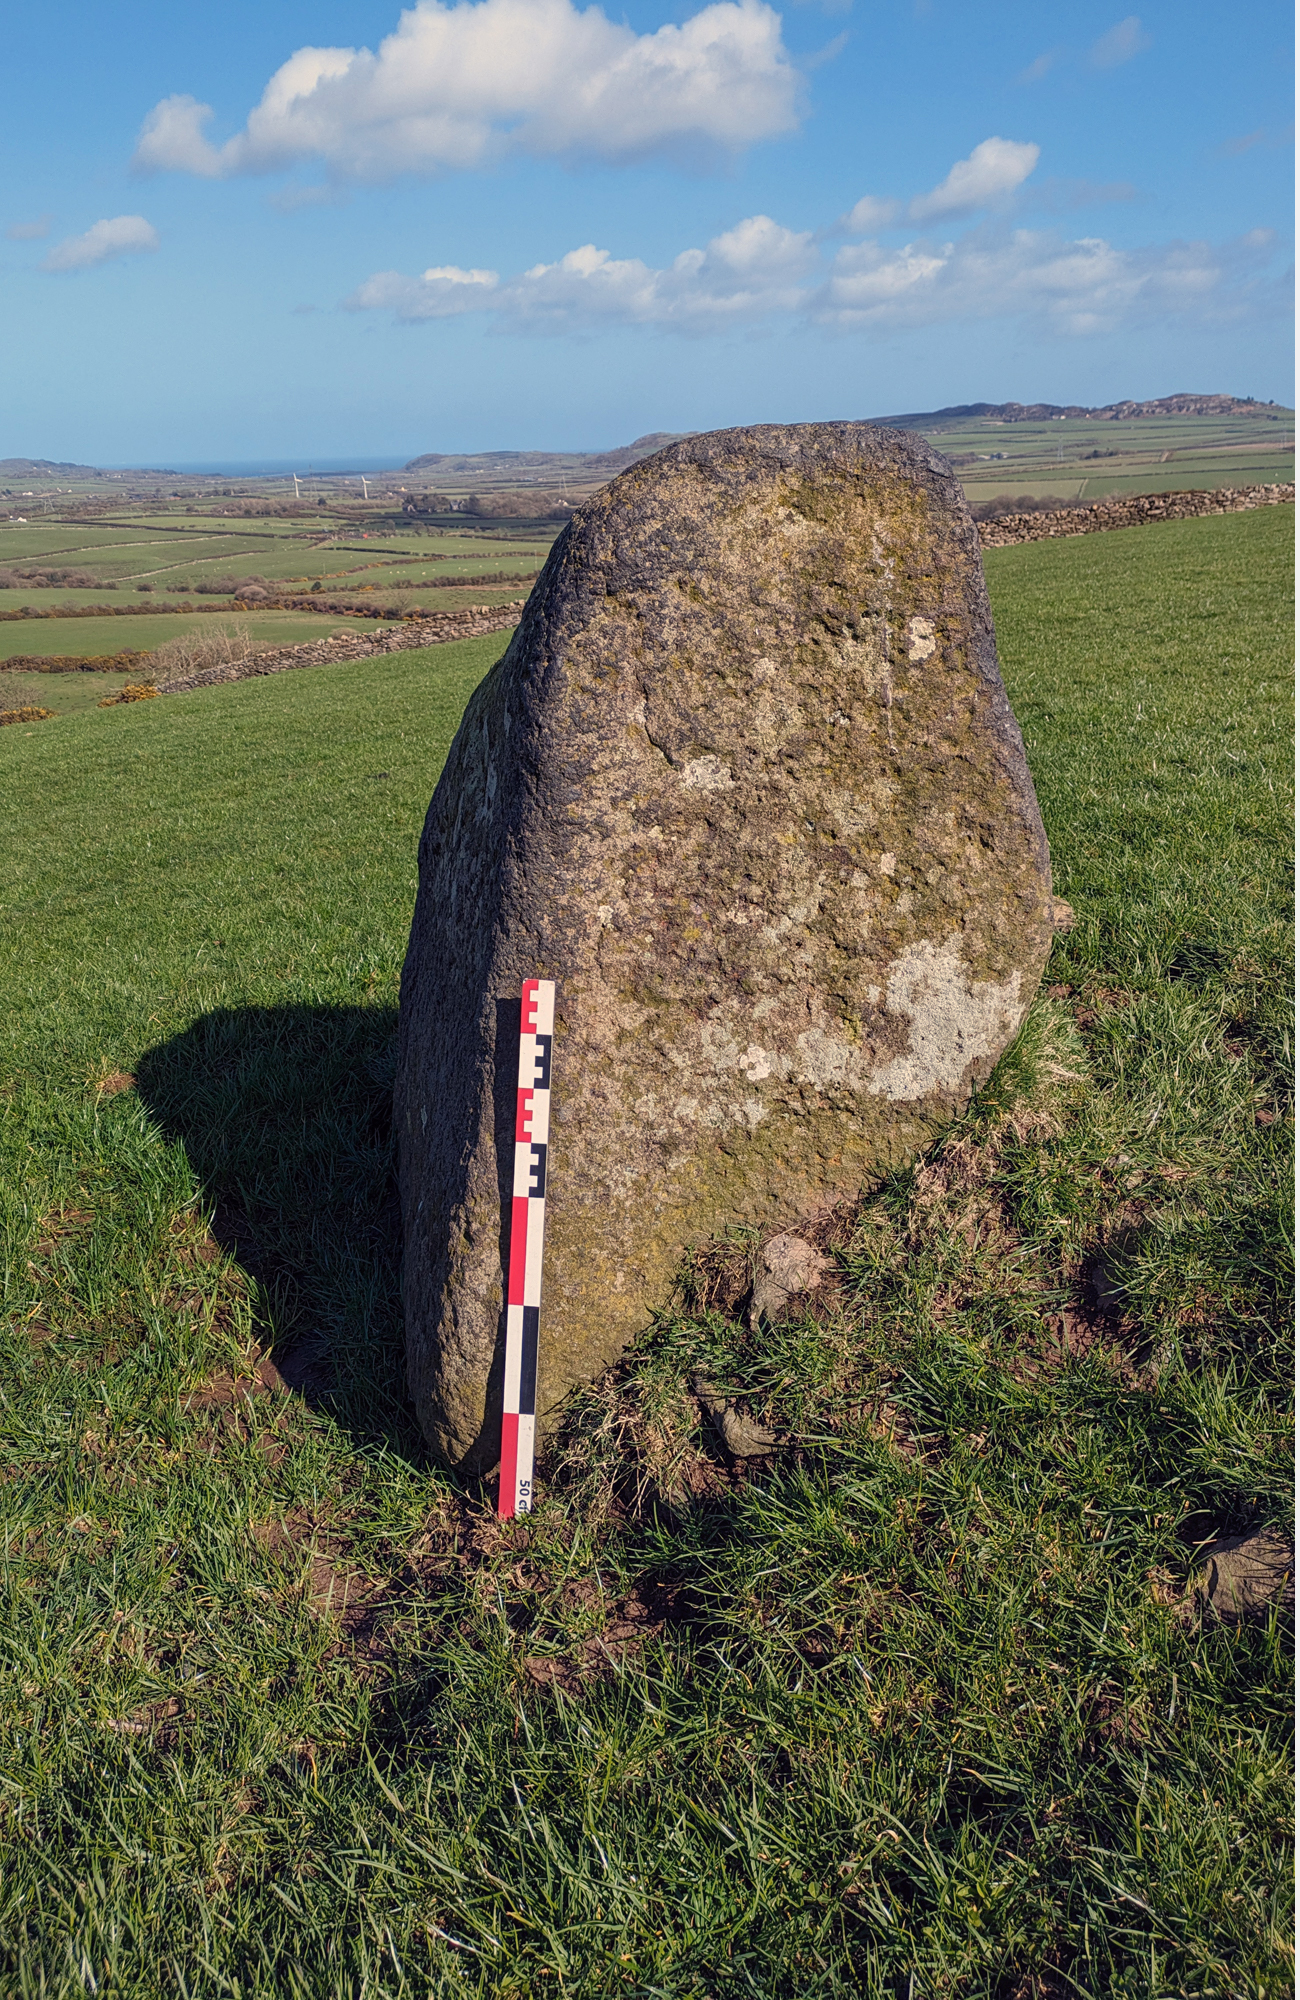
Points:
(742, 1435)
(1245, 1575)
(789, 1267)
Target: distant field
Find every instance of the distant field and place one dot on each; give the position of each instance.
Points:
(117, 635)
(182, 555)
(65, 694)
(116, 550)
(386, 538)
(174, 532)
(1083, 459)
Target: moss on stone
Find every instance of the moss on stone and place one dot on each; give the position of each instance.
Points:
(746, 785)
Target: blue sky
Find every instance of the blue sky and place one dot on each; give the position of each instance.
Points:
(334, 228)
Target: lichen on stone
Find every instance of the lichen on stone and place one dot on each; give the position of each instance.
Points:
(746, 785)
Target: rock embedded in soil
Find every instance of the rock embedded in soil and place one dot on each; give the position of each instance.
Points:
(788, 1267)
(746, 784)
(1243, 1576)
(741, 1435)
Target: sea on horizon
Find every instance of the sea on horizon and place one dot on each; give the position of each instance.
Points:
(265, 468)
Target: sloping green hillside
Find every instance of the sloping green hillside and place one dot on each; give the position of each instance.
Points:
(910, 1708)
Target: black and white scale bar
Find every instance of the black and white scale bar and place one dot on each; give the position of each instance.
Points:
(527, 1228)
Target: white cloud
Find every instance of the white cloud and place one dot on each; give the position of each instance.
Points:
(995, 169)
(29, 232)
(1081, 287)
(868, 214)
(992, 172)
(442, 293)
(114, 236)
(760, 272)
(1119, 44)
(1035, 71)
(751, 272)
(455, 85)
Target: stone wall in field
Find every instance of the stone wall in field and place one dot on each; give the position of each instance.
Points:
(434, 630)
(1129, 510)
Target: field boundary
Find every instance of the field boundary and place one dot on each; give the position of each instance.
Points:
(1134, 510)
(435, 630)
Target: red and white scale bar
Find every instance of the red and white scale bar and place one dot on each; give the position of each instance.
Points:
(527, 1228)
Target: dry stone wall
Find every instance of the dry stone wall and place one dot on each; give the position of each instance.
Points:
(1130, 510)
(435, 630)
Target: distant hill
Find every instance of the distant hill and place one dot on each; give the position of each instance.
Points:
(1182, 405)
(543, 461)
(52, 468)
(26, 468)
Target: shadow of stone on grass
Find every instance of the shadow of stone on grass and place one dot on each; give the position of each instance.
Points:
(285, 1115)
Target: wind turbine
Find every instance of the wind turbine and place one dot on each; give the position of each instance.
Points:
(296, 494)
(364, 488)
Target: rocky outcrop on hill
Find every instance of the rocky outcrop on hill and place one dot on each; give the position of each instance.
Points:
(434, 630)
(1132, 510)
(1183, 404)
(747, 786)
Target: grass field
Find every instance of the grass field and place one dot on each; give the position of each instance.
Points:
(909, 1710)
(1081, 459)
(97, 636)
(69, 637)
(174, 552)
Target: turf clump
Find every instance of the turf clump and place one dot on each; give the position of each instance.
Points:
(914, 1705)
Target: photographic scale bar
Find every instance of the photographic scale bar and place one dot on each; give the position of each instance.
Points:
(527, 1229)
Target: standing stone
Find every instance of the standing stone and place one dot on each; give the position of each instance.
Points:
(747, 786)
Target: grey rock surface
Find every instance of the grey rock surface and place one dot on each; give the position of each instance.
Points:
(788, 1267)
(747, 786)
(743, 1436)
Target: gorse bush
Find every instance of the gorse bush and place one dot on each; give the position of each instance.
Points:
(52, 579)
(142, 691)
(224, 586)
(8, 715)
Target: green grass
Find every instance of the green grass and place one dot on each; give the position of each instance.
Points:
(97, 636)
(1079, 484)
(1144, 455)
(171, 553)
(187, 553)
(906, 1711)
(121, 552)
(64, 695)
